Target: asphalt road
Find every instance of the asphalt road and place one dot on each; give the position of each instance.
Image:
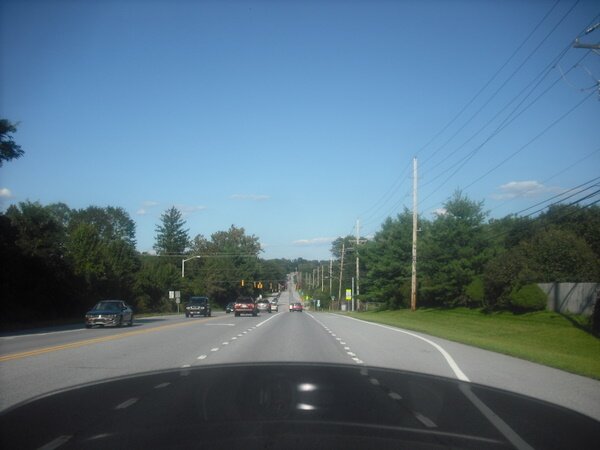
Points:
(34, 364)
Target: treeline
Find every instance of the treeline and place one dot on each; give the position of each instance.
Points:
(466, 259)
(57, 262)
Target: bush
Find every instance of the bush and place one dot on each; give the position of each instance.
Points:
(528, 298)
(475, 291)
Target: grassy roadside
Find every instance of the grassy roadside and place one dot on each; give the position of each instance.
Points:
(542, 337)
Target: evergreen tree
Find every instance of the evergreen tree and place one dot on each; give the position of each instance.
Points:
(171, 237)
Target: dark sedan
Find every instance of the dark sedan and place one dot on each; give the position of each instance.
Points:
(109, 313)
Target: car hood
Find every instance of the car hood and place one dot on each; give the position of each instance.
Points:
(103, 311)
(292, 406)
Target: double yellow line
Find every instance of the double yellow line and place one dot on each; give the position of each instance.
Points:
(112, 337)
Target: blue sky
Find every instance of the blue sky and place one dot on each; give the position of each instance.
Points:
(293, 119)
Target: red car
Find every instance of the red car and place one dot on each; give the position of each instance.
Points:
(245, 305)
(296, 307)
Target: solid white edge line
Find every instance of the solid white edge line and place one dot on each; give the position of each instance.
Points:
(457, 371)
(495, 420)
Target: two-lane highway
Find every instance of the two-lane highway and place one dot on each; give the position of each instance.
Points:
(37, 363)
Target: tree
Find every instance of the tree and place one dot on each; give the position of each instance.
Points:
(8, 147)
(453, 252)
(171, 237)
(153, 281)
(111, 223)
(33, 243)
(557, 255)
(101, 248)
(40, 234)
(226, 259)
(388, 258)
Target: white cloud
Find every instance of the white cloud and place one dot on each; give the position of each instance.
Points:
(314, 241)
(146, 205)
(440, 211)
(189, 209)
(252, 197)
(527, 189)
(5, 193)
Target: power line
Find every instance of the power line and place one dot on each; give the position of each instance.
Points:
(544, 131)
(511, 117)
(552, 176)
(510, 77)
(470, 102)
(560, 195)
(387, 196)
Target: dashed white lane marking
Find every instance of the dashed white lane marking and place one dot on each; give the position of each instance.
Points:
(126, 403)
(457, 371)
(216, 349)
(338, 339)
(202, 357)
(265, 321)
(61, 440)
(185, 366)
(234, 338)
(225, 343)
(424, 420)
(374, 381)
(161, 385)
(395, 396)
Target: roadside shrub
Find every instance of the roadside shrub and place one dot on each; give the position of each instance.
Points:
(528, 298)
(475, 291)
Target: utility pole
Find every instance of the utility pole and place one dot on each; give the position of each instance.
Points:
(322, 278)
(413, 291)
(578, 44)
(330, 275)
(353, 296)
(357, 261)
(341, 272)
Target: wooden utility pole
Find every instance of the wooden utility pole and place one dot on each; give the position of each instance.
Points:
(357, 262)
(341, 272)
(413, 291)
(330, 275)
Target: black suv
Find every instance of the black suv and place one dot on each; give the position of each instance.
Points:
(197, 306)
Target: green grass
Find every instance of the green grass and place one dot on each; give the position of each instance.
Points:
(544, 337)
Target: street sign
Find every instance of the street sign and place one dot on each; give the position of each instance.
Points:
(171, 295)
(348, 294)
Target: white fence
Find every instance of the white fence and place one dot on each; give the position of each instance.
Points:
(575, 298)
